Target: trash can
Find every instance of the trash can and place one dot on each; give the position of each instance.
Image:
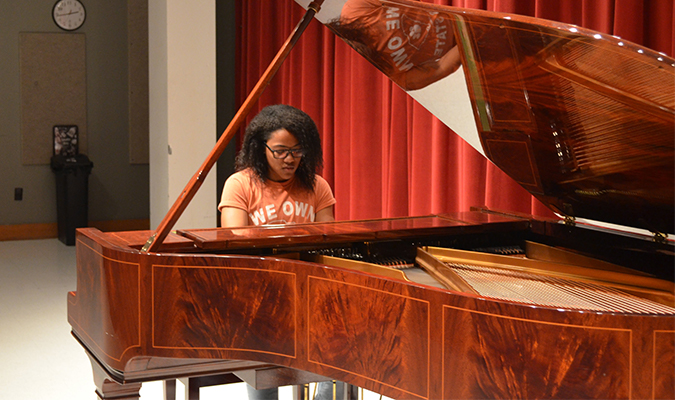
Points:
(72, 194)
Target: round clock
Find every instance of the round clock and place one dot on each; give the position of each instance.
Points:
(69, 14)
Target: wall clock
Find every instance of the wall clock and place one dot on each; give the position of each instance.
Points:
(69, 15)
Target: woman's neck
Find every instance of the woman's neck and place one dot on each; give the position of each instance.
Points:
(282, 181)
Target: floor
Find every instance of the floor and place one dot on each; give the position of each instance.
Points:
(40, 359)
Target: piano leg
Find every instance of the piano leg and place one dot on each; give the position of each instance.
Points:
(107, 388)
(113, 390)
(170, 389)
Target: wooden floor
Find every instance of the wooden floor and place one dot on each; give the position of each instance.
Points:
(40, 358)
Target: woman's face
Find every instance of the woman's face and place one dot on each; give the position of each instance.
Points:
(282, 169)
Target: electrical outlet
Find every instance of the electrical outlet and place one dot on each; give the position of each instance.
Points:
(18, 194)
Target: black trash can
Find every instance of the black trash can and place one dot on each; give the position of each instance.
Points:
(72, 194)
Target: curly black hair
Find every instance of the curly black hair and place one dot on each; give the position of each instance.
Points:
(300, 125)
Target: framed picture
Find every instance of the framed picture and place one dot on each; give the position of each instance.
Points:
(65, 140)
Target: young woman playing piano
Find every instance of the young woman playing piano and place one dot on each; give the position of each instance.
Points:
(276, 180)
(276, 183)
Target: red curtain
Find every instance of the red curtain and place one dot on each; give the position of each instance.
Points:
(384, 154)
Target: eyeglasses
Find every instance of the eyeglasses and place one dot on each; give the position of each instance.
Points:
(281, 154)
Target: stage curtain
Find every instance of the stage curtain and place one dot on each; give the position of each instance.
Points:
(384, 154)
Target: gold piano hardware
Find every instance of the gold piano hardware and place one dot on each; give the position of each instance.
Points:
(570, 220)
(147, 244)
(660, 237)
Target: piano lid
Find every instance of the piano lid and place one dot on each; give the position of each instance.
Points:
(584, 121)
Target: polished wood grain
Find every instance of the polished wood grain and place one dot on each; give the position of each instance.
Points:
(162, 315)
(576, 119)
(497, 355)
(371, 332)
(243, 322)
(664, 363)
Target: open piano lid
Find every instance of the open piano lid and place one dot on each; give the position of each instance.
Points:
(584, 121)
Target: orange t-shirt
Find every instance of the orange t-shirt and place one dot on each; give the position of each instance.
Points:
(275, 202)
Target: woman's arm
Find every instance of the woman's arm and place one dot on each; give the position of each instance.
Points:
(231, 217)
(325, 215)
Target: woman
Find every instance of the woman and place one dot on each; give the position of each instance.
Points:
(276, 183)
(276, 180)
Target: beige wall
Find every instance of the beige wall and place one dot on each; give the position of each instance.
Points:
(118, 188)
(182, 37)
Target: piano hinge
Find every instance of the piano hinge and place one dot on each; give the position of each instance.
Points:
(660, 237)
(570, 220)
(149, 243)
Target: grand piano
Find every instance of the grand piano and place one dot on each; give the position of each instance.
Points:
(472, 304)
